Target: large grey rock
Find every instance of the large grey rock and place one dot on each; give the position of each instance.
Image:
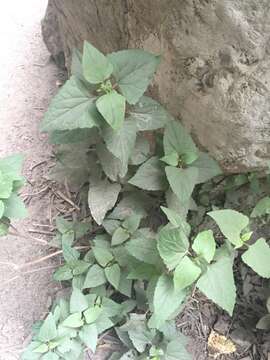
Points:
(215, 73)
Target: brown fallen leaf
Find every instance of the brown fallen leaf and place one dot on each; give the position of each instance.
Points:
(220, 345)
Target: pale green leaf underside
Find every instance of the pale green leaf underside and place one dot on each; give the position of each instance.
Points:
(218, 284)
(172, 246)
(150, 176)
(204, 245)
(112, 107)
(113, 274)
(258, 258)
(231, 224)
(185, 274)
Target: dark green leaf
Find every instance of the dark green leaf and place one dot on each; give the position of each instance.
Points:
(231, 224)
(166, 300)
(94, 277)
(144, 249)
(101, 198)
(72, 108)
(257, 257)
(73, 165)
(120, 235)
(113, 274)
(182, 181)
(102, 255)
(218, 284)
(150, 175)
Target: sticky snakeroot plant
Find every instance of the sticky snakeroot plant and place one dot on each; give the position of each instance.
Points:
(145, 259)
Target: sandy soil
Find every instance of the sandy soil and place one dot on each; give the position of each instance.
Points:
(27, 82)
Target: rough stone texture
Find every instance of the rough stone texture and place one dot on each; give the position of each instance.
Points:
(215, 73)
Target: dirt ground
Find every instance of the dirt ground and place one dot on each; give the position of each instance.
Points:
(27, 82)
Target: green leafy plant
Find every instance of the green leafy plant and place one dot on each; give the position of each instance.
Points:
(11, 206)
(145, 259)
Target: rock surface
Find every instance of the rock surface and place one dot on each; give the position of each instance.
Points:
(215, 74)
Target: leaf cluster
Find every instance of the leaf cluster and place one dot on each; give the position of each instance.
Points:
(11, 206)
(136, 275)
